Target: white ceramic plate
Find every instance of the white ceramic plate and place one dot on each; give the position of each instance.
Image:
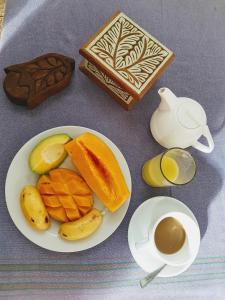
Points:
(148, 212)
(19, 175)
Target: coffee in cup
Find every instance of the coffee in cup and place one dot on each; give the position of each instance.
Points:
(169, 236)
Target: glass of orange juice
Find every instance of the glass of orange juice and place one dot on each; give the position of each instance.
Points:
(172, 167)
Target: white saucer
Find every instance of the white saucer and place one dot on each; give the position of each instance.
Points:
(148, 212)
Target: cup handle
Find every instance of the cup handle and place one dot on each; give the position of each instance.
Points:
(141, 244)
(201, 147)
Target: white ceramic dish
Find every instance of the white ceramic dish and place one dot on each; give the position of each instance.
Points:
(19, 175)
(147, 213)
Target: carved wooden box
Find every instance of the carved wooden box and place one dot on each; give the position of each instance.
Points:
(124, 59)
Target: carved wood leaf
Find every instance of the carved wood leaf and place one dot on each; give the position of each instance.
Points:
(109, 82)
(129, 51)
(46, 72)
(106, 46)
(142, 60)
(129, 38)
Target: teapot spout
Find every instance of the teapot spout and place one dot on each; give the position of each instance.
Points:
(168, 99)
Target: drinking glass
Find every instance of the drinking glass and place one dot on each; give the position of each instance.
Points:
(175, 166)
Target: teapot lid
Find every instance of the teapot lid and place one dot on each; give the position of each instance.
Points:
(191, 114)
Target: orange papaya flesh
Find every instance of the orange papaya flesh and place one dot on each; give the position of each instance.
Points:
(100, 169)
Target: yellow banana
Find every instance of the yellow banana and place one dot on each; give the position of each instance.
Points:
(81, 228)
(33, 208)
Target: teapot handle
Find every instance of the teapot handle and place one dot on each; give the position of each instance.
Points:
(207, 149)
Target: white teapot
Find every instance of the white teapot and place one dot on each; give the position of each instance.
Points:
(180, 122)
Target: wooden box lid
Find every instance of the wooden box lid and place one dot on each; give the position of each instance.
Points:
(127, 54)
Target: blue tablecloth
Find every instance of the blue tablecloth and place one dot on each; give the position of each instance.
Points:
(195, 31)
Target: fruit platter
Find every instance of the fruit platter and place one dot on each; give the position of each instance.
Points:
(68, 189)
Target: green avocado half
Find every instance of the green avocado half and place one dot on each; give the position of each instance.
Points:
(48, 153)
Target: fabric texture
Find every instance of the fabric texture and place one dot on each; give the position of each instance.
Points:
(195, 31)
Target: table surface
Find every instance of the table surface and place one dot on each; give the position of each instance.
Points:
(195, 31)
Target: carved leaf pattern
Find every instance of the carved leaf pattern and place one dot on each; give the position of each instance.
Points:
(134, 55)
(46, 72)
(109, 82)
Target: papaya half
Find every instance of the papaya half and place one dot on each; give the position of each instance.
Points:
(100, 169)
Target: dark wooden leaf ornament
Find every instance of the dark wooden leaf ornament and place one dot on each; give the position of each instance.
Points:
(32, 82)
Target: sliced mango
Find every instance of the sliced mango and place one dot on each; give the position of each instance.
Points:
(51, 200)
(46, 189)
(100, 169)
(57, 213)
(67, 201)
(63, 175)
(85, 201)
(84, 210)
(60, 188)
(73, 214)
(65, 194)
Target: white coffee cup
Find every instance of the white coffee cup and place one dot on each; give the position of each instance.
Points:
(186, 252)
